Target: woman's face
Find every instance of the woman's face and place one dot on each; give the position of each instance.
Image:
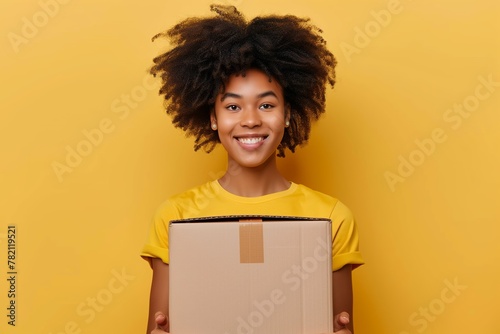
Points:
(250, 117)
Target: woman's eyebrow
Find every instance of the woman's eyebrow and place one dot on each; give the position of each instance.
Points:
(237, 96)
(268, 93)
(226, 95)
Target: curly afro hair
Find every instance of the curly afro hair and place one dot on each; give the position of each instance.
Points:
(207, 51)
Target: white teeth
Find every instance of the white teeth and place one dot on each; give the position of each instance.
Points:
(252, 140)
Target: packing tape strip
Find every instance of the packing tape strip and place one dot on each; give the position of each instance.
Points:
(251, 241)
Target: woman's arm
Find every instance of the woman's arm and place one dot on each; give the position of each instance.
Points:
(342, 298)
(158, 300)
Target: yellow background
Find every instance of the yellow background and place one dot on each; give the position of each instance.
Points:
(84, 68)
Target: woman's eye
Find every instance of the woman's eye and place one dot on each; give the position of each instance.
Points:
(266, 106)
(232, 107)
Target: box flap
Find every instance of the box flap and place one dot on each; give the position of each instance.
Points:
(229, 218)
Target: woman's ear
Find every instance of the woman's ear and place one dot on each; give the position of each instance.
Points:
(213, 120)
(288, 115)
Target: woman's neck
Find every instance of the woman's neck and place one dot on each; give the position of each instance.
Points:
(253, 181)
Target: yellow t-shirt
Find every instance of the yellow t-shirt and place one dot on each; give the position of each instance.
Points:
(210, 199)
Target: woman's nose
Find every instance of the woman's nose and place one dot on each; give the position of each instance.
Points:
(250, 118)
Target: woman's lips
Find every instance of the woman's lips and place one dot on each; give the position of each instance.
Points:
(251, 142)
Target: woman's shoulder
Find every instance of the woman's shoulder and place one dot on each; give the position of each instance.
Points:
(189, 198)
(310, 194)
(337, 207)
(201, 190)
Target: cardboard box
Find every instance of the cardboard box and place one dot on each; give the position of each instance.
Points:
(250, 275)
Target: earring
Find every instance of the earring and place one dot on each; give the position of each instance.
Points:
(287, 124)
(214, 126)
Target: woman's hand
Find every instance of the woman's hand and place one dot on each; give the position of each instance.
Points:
(161, 323)
(341, 322)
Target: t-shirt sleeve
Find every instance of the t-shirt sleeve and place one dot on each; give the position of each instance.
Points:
(156, 245)
(345, 245)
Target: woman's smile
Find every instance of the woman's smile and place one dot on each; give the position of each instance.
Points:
(250, 117)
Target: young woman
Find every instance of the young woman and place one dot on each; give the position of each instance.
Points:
(255, 87)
